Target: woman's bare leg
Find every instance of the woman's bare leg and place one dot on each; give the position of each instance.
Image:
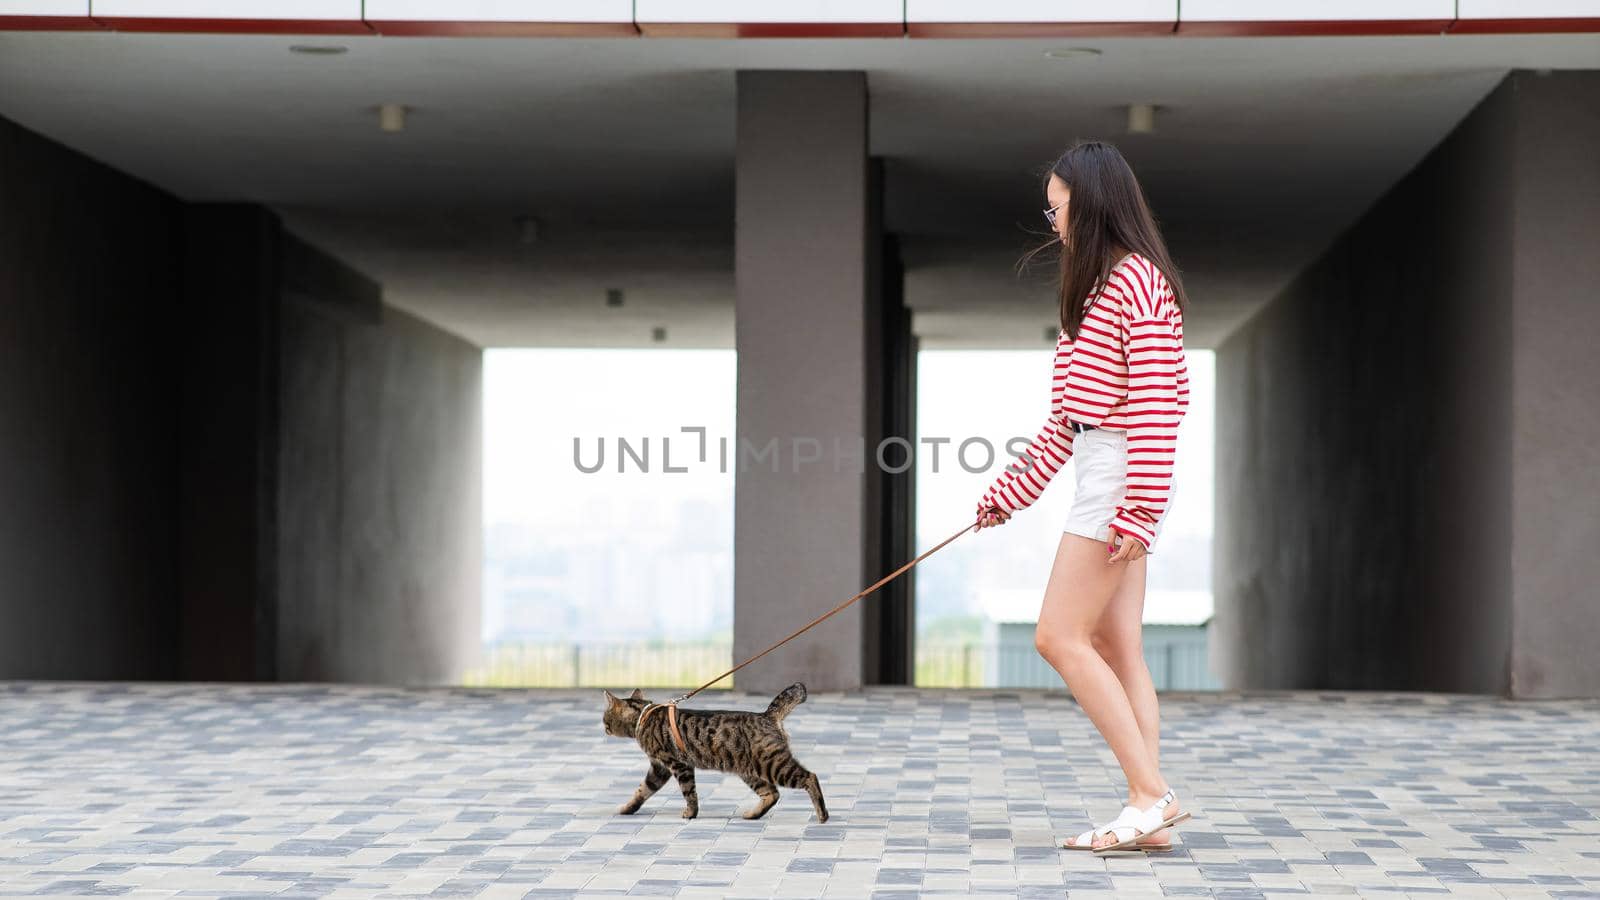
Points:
(1081, 588)
(1119, 639)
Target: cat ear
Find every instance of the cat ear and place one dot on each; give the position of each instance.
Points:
(611, 699)
(636, 695)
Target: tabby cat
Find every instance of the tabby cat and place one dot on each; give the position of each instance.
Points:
(751, 745)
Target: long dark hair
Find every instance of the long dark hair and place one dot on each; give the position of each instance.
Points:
(1107, 211)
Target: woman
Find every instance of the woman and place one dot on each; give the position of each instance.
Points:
(1121, 386)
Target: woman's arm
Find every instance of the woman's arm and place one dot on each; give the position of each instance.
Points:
(1023, 481)
(1157, 383)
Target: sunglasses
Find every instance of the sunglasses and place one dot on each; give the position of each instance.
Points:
(1050, 214)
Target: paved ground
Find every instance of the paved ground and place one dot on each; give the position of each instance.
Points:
(205, 790)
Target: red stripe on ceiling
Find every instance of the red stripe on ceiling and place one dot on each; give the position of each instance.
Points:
(237, 26)
(1326, 28)
(1320, 27)
(1036, 29)
(772, 29)
(503, 29)
(1572, 25)
(49, 23)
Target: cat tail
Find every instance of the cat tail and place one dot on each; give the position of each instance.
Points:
(789, 698)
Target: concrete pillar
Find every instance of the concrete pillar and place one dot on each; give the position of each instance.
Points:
(804, 257)
(1554, 422)
(89, 328)
(889, 620)
(228, 426)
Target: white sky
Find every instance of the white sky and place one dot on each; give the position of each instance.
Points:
(536, 401)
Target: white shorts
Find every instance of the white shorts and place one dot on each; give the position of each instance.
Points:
(1100, 458)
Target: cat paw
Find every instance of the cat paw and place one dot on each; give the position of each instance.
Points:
(753, 813)
(627, 809)
(690, 813)
(822, 818)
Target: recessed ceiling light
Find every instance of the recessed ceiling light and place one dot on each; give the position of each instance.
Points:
(1141, 118)
(318, 49)
(392, 117)
(1072, 53)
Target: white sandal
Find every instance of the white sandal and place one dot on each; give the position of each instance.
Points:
(1085, 841)
(1135, 823)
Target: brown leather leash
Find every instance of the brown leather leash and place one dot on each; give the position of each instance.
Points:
(671, 706)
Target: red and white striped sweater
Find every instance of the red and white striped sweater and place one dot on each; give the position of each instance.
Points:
(1126, 372)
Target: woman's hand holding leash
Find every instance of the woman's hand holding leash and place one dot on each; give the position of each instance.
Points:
(992, 516)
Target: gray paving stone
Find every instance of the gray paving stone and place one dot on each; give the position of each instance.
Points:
(208, 790)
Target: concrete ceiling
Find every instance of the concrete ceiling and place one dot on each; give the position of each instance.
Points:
(622, 149)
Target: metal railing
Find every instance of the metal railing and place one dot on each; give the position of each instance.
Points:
(678, 664)
(1174, 665)
(643, 664)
